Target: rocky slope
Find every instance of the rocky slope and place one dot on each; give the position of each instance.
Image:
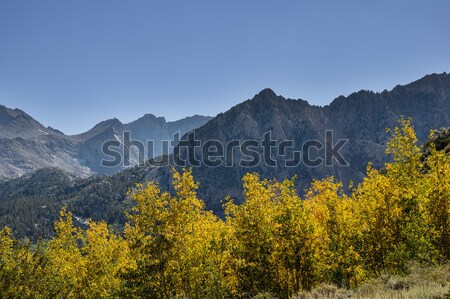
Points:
(361, 118)
(26, 145)
(146, 128)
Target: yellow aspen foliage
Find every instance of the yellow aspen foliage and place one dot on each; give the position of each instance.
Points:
(403, 147)
(255, 228)
(295, 249)
(436, 207)
(83, 264)
(337, 233)
(65, 269)
(107, 257)
(180, 249)
(379, 213)
(17, 267)
(6, 262)
(407, 176)
(275, 249)
(274, 242)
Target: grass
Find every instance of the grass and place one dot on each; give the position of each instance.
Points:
(430, 282)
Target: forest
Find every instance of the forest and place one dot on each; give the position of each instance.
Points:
(274, 245)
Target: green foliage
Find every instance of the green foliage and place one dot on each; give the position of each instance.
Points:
(30, 205)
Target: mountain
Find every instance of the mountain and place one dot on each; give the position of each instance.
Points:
(29, 202)
(26, 145)
(361, 119)
(144, 129)
(16, 123)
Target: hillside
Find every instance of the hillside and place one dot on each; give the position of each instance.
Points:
(361, 118)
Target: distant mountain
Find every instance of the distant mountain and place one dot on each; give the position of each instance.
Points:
(26, 145)
(144, 129)
(14, 123)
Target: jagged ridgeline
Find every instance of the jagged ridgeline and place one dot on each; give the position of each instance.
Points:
(30, 203)
(26, 145)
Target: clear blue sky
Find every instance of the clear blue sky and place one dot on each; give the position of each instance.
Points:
(71, 64)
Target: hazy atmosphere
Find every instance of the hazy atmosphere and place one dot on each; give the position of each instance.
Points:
(72, 64)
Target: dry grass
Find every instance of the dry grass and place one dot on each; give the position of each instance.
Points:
(421, 283)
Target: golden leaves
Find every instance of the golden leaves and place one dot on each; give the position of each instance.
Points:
(274, 242)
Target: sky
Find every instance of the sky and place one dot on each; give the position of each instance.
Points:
(71, 64)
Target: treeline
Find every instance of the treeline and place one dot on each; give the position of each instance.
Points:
(30, 205)
(275, 242)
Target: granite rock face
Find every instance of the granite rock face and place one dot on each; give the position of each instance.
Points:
(26, 145)
(361, 119)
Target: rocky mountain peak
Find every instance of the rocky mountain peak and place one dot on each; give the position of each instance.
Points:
(5, 115)
(148, 120)
(109, 123)
(267, 97)
(429, 83)
(16, 123)
(10, 114)
(267, 93)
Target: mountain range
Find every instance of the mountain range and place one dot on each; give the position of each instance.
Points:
(360, 118)
(26, 145)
